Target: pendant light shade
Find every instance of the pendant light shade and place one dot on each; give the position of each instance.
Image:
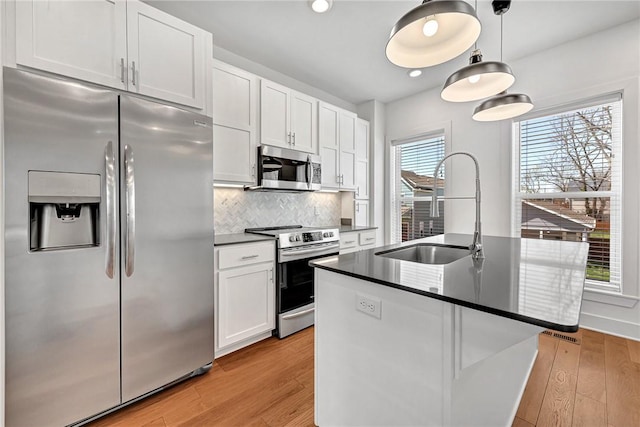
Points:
(433, 33)
(502, 106)
(477, 80)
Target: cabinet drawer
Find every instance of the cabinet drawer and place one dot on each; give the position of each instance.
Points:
(245, 254)
(367, 238)
(349, 240)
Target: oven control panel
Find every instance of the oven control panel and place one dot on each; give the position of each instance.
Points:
(308, 237)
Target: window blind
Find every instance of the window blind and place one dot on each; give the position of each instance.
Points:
(414, 161)
(568, 185)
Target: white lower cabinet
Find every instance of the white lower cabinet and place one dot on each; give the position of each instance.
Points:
(245, 295)
(354, 241)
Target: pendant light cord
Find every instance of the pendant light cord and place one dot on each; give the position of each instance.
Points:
(501, 30)
(475, 6)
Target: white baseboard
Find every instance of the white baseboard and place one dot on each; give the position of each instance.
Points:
(610, 326)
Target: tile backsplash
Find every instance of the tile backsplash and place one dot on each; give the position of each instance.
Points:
(235, 209)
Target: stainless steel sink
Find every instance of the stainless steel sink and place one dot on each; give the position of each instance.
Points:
(427, 253)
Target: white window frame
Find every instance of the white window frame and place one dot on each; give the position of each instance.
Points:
(615, 284)
(426, 132)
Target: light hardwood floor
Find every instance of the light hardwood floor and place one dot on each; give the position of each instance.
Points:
(596, 383)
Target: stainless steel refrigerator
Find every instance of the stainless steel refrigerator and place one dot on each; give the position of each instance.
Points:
(109, 248)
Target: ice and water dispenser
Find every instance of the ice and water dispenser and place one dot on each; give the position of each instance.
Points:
(64, 210)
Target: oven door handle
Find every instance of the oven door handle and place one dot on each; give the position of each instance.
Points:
(298, 314)
(309, 251)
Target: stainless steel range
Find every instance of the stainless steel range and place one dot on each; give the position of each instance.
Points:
(298, 245)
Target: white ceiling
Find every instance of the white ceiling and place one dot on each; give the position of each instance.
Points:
(342, 51)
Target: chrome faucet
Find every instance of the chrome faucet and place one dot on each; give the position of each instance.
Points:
(476, 246)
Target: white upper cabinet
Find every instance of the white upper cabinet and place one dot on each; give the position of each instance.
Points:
(85, 40)
(126, 45)
(274, 114)
(337, 130)
(235, 104)
(362, 159)
(288, 118)
(166, 56)
(347, 135)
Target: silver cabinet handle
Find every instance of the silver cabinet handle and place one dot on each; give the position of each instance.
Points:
(133, 73)
(130, 209)
(249, 257)
(338, 179)
(298, 314)
(348, 242)
(358, 190)
(342, 179)
(110, 195)
(288, 137)
(253, 171)
(368, 239)
(357, 207)
(122, 70)
(293, 135)
(271, 275)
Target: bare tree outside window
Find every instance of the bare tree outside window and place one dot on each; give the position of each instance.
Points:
(570, 153)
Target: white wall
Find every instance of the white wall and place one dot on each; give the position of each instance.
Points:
(601, 63)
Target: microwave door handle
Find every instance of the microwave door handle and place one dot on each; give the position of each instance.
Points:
(309, 171)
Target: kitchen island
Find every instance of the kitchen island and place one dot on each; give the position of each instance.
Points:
(405, 343)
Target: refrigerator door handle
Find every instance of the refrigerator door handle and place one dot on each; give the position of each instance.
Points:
(110, 192)
(130, 206)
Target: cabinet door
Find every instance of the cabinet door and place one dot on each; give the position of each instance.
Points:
(329, 146)
(234, 155)
(304, 122)
(274, 114)
(347, 138)
(362, 213)
(246, 303)
(235, 96)
(81, 39)
(166, 56)
(362, 159)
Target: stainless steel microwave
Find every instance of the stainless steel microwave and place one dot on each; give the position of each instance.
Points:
(284, 169)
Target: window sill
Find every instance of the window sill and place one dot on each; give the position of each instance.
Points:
(611, 298)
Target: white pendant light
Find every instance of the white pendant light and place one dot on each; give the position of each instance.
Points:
(477, 80)
(433, 33)
(502, 106)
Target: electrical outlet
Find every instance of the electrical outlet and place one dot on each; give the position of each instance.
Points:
(369, 305)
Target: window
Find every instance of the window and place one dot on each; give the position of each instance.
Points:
(414, 162)
(568, 183)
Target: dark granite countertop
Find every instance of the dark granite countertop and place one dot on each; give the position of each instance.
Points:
(350, 228)
(534, 281)
(232, 239)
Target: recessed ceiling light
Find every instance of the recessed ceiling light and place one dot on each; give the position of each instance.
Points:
(415, 73)
(320, 6)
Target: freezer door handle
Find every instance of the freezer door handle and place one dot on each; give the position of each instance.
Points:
(130, 207)
(110, 192)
